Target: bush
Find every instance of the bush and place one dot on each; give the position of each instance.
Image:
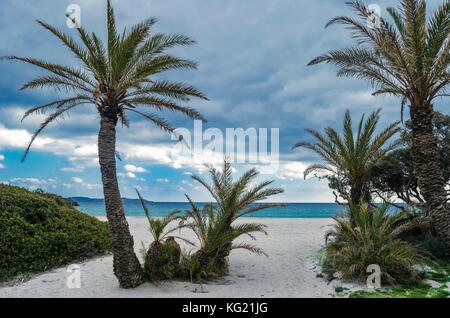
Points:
(162, 259)
(425, 236)
(365, 236)
(39, 232)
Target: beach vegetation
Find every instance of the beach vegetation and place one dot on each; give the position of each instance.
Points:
(421, 291)
(40, 232)
(408, 59)
(366, 235)
(162, 258)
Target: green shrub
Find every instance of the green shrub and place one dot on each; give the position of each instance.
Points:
(38, 232)
(425, 235)
(194, 271)
(162, 258)
(365, 236)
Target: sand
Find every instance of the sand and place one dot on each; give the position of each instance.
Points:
(289, 271)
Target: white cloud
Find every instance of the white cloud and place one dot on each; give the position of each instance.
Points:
(72, 169)
(292, 170)
(2, 166)
(77, 180)
(35, 183)
(2, 157)
(132, 168)
(131, 175)
(94, 186)
(28, 180)
(88, 150)
(162, 180)
(79, 150)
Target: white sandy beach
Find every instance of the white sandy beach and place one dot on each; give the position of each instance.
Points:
(289, 271)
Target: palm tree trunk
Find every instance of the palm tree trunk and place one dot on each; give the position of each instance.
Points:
(429, 173)
(356, 192)
(126, 265)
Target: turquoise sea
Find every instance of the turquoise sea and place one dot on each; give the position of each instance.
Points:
(133, 207)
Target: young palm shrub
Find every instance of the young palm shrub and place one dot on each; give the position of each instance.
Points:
(352, 157)
(409, 59)
(213, 225)
(117, 78)
(216, 240)
(162, 259)
(365, 236)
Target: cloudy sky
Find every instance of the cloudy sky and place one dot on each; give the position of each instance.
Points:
(252, 57)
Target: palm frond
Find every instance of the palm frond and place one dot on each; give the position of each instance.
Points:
(47, 121)
(351, 157)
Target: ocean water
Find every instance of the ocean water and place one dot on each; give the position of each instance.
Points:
(293, 210)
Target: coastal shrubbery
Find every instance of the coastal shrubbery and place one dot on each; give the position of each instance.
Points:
(39, 232)
(369, 235)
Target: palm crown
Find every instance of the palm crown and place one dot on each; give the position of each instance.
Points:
(409, 60)
(209, 227)
(115, 77)
(237, 198)
(347, 155)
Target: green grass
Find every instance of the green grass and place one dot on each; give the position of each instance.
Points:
(422, 291)
(439, 273)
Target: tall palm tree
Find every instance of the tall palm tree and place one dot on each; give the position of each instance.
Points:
(352, 158)
(408, 59)
(234, 199)
(115, 79)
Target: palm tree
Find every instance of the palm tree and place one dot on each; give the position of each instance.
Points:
(408, 59)
(234, 199)
(115, 80)
(352, 158)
